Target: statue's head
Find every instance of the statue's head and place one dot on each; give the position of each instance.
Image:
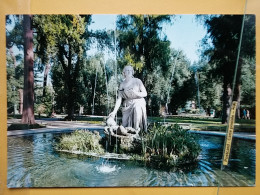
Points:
(128, 71)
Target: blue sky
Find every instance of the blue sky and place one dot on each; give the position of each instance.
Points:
(184, 34)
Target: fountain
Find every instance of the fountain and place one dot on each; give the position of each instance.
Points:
(163, 145)
(106, 87)
(107, 168)
(198, 89)
(93, 103)
(131, 95)
(170, 82)
(34, 162)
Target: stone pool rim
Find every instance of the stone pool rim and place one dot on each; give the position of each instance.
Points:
(239, 135)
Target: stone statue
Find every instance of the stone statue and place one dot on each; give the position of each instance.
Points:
(131, 93)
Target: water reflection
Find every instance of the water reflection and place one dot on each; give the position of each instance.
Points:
(32, 162)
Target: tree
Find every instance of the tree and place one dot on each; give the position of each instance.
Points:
(63, 39)
(183, 86)
(15, 81)
(14, 38)
(210, 87)
(95, 81)
(248, 86)
(28, 91)
(175, 83)
(224, 31)
(140, 44)
(66, 39)
(43, 104)
(45, 48)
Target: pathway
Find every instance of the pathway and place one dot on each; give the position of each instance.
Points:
(56, 125)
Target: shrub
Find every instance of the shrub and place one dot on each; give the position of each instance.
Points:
(20, 126)
(170, 145)
(81, 140)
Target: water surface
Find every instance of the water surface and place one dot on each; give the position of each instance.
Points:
(33, 162)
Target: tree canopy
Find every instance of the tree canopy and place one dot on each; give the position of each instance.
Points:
(224, 32)
(80, 80)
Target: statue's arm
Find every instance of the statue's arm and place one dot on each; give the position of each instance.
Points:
(118, 103)
(142, 91)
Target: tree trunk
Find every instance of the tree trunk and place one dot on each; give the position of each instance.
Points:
(237, 92)
(227, 101)
(46, 72)
(21, 101)
(238, 98)
(227, 91)
(70, 84)
(28, 92)
(70, 106)
(81, 110)
(13, 56)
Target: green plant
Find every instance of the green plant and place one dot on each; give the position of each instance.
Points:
(20, 126)
(171, 145)
(81, 140)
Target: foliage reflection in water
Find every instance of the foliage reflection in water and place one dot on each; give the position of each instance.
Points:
(32, 162)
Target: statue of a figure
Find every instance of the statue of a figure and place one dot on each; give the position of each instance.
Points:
(132, 93)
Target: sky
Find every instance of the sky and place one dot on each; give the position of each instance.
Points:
(185, 33)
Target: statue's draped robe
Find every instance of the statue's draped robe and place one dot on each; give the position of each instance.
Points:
(134, 108)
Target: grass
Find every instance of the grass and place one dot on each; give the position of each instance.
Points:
(19, 116)
(87, 118)
(198, 123)
(94, 122)
(20, 126)
(205, 120)
(90, 120)
(170, 146)
(164, 147)
(81, 140)
(208, 124)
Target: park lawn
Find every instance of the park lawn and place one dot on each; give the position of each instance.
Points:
(207, 124)
(193, 123)
(99, 120)
(198, 123)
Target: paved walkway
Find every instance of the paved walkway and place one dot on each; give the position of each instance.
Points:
(55, 126)
(240, 135)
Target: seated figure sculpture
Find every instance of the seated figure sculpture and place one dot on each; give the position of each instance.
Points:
(132, 93)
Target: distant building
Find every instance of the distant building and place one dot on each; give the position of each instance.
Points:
(190, 105)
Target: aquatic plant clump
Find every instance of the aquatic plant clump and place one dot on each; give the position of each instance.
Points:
(170, 146)
(81, 140)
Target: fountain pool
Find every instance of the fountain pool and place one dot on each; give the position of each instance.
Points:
(33, 162)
